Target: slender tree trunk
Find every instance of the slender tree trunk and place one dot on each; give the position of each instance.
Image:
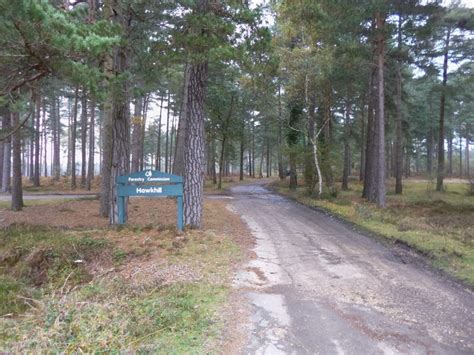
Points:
(17, 190)
(370, 166)
(31, 145)
(429, 151)
(242, 146)
(468, 137)
(56, 120)
(167, 150)
(83, 139)
(309, 159)
(45, 142)
(380, 113)
(6, 171)
(440, 175)
(399, 116)
(347, 148)
(450, 152)
(143, 127)
(137, 122)
(362, 140)
(281, 169)
(460, 157)
(178, 165)
(73, 139)
(2, 150)
(36, 173)
(90, 169)
(158, 144)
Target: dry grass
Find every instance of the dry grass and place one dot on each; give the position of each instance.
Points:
(139, 288)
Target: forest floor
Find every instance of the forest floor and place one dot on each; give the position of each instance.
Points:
(439, 225)
(69, 283)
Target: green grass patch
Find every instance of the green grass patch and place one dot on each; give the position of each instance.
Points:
(51, 303)
(439, 225)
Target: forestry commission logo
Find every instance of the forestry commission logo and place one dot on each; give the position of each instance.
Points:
(148, 174)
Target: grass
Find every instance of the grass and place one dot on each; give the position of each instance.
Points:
(439, 225)
(50, 300)
(37, 202)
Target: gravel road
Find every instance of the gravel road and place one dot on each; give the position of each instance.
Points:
(318, 287)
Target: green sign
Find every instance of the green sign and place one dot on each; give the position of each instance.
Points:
(150, 183)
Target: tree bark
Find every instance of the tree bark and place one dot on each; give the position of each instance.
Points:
(194, 143)
(440, 172)
(72, 147)
(347, 149)
(83, 139)
(379, 146)
(398, 116)
(158, 144)
(178, 164)
(6, 171)
(56, 128)
(17, 190)
(137, 122)
(281, 170)
(90, 169)
(167, 150)
(146, 101)
(468, 137)
(45, 142)
(362, 140)
(36, 168)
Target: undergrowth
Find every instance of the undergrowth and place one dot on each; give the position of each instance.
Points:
(64, 290)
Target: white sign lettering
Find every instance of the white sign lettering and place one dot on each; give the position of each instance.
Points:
(149, 190)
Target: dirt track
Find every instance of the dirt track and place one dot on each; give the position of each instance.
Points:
(318, 287)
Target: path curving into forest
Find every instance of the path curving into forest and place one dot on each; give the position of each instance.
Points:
(317, 286)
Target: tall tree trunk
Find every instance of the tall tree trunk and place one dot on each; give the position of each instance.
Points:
(310, 168)
(440, 173)
(194, 142)
(362, 140)
(347, 149)
(83, 139)
(398, 115)
(242, 146)
(2, 150)
(17, 190)
(326, 137)
(36, 168)
(73, 139)
(460, 157)
(6, 171)
(90, 168)
(370, 166)
(146, 101)
(380, 113)
(429, 151)
(167, 150)
(468, 137)
(158, 144)
(281, 169)
(45, 142)
(450, 152)
(137, 122)
(56, 120)
(31, 145)
(178, 164)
